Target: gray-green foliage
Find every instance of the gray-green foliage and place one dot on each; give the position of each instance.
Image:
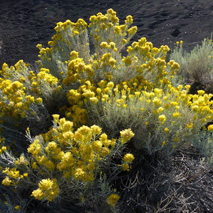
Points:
(196, 66)
(204, 143)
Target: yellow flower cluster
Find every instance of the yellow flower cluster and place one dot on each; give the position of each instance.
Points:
(44, 81)
(13, 176)
(77, 70)
(48, 190)
(69, 36)
(13, 99)
(145, 65)
(150, 64)
(7, 181)
(75, 154)
(106, 28)
(21, 89)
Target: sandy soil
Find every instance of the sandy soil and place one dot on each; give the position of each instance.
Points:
(25, 23)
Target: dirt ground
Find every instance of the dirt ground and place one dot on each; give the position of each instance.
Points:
(25, 23)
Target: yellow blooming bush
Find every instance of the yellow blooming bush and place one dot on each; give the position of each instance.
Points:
(77, 65)
(105, 107)
(161, 120)
(64, 162)
(27, 100)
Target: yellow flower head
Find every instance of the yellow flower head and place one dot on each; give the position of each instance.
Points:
(210, 127)
(103, 137)
(39, 100)
(187, 87)
(190, 125)
(128, 158)
(56, 117)
(127, 60)
(162, 118)
(160, 109)
(96, 129)
(132, 30)
(113, 199)
(7, 181)
(163, 143)
(17, 207)
(96, 146)
(176, 114)
(105, 151)
(129, 19)
(67, 126)
(125, 167)
(166, 130)
(200, 92)
(126, 135)
(93, 100)
(156, 101)
(68, 135)
(84, 130)
(104, 44)
(79, 173)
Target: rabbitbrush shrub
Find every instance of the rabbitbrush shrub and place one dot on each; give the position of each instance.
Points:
(196, 66)
(69, 129)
